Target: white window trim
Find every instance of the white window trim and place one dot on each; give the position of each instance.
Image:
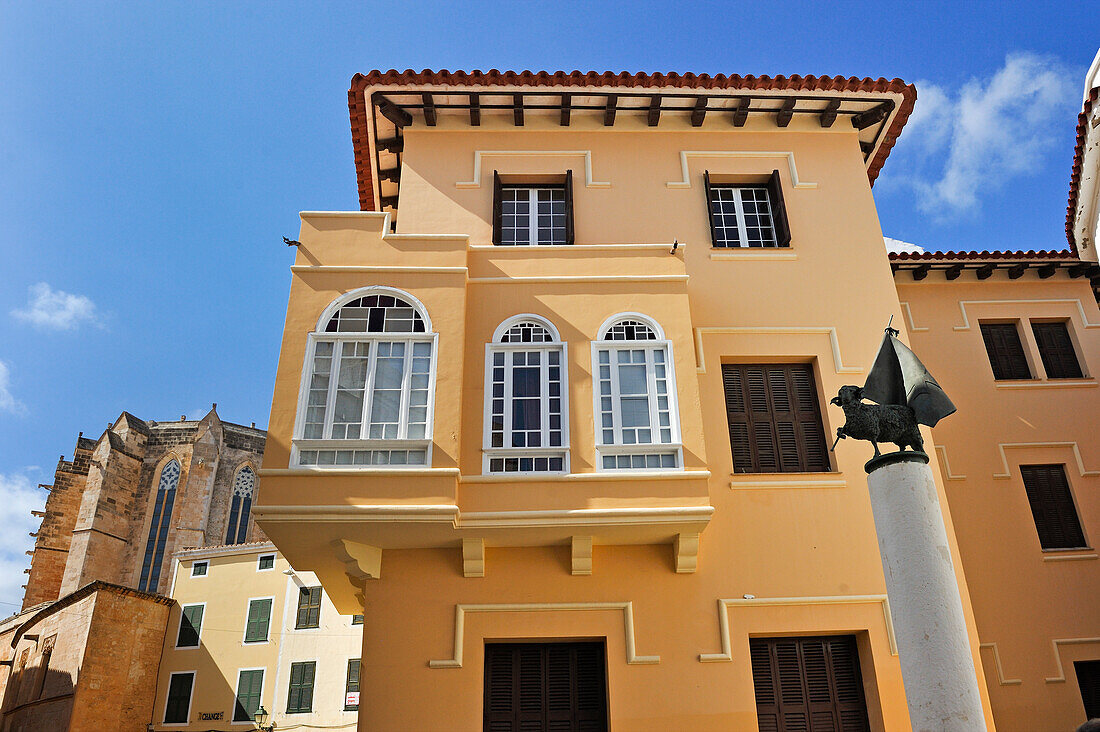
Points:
(179, 626)
(739, 208)
(532, 214)
(237, 691)
(299, 443)
(601, 448)
(270, 621)
(200, 576)
(269, 569)
(489, 452)
(190, 699)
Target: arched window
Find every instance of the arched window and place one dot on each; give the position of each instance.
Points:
(158, 526)
(526, 399)
(367, 399)
(244, 485)
(637, 419)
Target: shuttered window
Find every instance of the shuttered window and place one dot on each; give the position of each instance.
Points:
(751, 216)
(774, 419)
(1088, 680)
(1056, 350)
(1052, 507)
(532, 214)
(1006, 352)
(558, 687)
(178, 708)
(309, 608)
(351, 688)
(808, 685)
(190, 626)
(259, 620)
(299, 698)
(250, 685)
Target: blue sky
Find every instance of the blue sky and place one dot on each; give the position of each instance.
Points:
(152, 155)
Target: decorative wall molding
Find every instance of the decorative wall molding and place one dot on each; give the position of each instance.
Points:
(1000, 668)
(627, 609)
(755, 256)
(1001, 447)
(783, 483)
(725, 604)
(475, 182)
(966, 318)
(581, 559)
(685, 154)
(583, 517)
(473, 557)
(1034, 384)
(947, 474)
(838, 360)
(909, 317)
(1055, 643)
(687, 552)
(1068, 557)
(393, 269)
(577, 279)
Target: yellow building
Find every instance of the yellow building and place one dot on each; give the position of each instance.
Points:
(247, 630)
(552, 412)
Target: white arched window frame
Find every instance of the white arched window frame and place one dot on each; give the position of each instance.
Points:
(634, 396)
(526, 420)
(368, 384)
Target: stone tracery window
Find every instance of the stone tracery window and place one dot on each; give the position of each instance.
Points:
(158, 526)
(244, 486)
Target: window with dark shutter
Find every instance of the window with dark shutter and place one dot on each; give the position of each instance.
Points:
(1052, 507)
(1088, 680)
(1056, 350)
(250, 684)
(808, 684)
(774, 419)
(190, 626)
(747, 215)
(351, 687)
(178, 708)
(1006, 352)
(532, 214)
(300, 695)
(309, 608)
(258, 622)
(548, 686)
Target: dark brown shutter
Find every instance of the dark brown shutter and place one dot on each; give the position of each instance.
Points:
(569, 207)
(1052, 507)
(498, 204)
(1088, 680)
(774, 419)
(710, 208)
(808, 684)
(1006, 352)
(779, 211)
(545, 686)
(1056, 350)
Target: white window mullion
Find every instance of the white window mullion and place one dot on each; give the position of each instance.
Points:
(616, 398)
(406, 393)
(368, 389)
(533, 216)
(544, 397)
(742, 228)
(651, 397)
(333, 387)
(507, 416)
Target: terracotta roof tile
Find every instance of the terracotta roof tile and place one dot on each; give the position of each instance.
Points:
(972, 255)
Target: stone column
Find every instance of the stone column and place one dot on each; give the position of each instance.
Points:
(941, 685)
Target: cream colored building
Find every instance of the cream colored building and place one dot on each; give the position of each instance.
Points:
(247, 630)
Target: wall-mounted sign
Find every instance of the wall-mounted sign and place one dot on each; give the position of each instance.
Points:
(351, 699)
(211, 716)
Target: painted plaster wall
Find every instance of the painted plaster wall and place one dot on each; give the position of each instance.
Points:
(1035, 610)
(808, 536)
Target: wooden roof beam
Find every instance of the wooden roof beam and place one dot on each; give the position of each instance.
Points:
(390, 201)
(1046, 271)
(984, 272)
(921, 272)
(393, 174)
(699, 113)
(610, 109)
(391, 144)
(517, 109)
(475, 110)
(872, 116)
(566, 108)
(1016, 272)
(654, 110)
(393, 113)
(953, 272)
(784, 115)
(741, 114)
(828, 115)
(1079, 270)
(429, 109)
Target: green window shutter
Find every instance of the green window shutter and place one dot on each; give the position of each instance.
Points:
(249, 686)
(178, 707)
(190, 626)
(309, 608)
(259, 621)
(352, 686)
(300, 695)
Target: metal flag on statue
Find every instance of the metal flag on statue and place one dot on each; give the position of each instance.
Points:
(899, 377)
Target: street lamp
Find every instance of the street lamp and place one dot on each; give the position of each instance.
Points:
(260, 716)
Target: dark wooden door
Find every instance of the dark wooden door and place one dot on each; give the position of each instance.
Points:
(545, 687)
(808, 684)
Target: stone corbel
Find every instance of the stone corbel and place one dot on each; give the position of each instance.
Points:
(361, 562)
(687, 553)
(582, 555)
(473, 557)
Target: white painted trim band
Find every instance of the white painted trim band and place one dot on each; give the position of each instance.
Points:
(475, 182)
(685, 154)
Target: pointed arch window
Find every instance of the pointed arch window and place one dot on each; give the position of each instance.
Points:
(244, 487)
(367, 396)
(637, 422)
(158, 526)
(526, 421)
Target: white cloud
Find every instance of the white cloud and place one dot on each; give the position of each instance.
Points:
(56, 309)
(961, 143)
(8, 403)
(18, 497)
(897, 245)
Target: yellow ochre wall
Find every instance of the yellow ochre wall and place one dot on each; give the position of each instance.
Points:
(1036, 611)
(803, 545)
